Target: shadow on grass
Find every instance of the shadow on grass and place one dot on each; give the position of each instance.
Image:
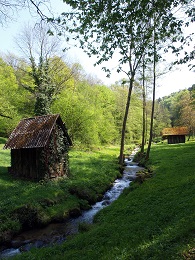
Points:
(2, 140)
(3, 171)
(5, 177)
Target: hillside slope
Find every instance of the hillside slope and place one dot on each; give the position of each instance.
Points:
(154, 220)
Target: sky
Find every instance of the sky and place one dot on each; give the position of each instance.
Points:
(173, 81)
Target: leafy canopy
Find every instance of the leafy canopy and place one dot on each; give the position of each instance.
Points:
(106, 27)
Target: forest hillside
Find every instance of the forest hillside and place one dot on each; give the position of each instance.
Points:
(92, 112)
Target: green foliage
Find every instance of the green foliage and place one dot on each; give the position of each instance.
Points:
(9, 98)
(180, 107)
(154, 220)
(134, 124)
(161, 120)
(133, 29)
(175, 106)
(109, 18)
(50, 77)
(43, 88)
(93, 113)
(140, 158)
(89, 113)
(56, 156)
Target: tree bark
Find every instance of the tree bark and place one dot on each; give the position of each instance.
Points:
(152, 118)
(125, 120)
(144, 109)
(154, 89)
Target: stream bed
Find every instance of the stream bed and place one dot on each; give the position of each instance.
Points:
(56, 233)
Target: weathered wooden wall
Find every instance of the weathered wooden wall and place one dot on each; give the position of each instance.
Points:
(174, 139)
(25, 163)
(42, 163)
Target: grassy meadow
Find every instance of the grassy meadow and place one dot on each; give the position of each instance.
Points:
(152, 220)
(25, 204)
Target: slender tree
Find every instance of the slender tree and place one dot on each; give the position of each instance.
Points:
(48, 71)
(105, 28)
(144, 106)
(154, 89)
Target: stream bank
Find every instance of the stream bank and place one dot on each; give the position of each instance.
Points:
(57, 233)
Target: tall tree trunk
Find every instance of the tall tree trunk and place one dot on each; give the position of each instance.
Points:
(144, 109)
(153, 98)
(146, 117)
(125, 120)
(152, 118)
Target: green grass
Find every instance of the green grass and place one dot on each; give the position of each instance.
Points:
(25, 204)
(153, 220)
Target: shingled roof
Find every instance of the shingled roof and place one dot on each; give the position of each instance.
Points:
(180, 130)
(34, 132)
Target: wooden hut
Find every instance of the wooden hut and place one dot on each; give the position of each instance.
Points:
(175, 134)
(39, 148)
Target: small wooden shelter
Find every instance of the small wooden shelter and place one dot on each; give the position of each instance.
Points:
(175, 134)
(39, 148)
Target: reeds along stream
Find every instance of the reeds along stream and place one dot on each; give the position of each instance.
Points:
(57, 233)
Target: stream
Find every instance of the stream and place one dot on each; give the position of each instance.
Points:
(56, 233)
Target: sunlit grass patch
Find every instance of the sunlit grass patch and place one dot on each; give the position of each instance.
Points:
(92, 172)
(155, 220)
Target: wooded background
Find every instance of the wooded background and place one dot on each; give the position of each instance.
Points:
(93, 113)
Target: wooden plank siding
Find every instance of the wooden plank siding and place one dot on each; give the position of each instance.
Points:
(173, 139)
(175, 134)
(39, 148)
(25, 163)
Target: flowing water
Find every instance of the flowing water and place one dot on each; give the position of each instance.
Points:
(57, 233)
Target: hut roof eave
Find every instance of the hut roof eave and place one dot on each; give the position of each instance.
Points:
(183, 130)
(34, 132)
